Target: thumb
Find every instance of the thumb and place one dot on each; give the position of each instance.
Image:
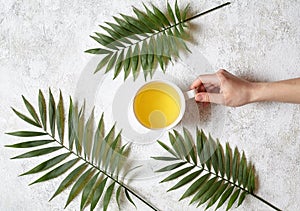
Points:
(209, 97)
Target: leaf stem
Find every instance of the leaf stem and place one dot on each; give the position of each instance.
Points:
(106, 174)
(205, 12)
(176, 24)
(237, 186)
(266, 202)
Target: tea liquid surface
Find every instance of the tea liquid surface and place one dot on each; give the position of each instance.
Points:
(155, 108)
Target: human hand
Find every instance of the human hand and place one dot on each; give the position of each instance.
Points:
(223, 88)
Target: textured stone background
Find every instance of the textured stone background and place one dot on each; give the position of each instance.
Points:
(42, 44)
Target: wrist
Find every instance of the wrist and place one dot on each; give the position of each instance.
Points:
(257, 92)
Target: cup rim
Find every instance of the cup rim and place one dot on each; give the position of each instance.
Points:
(182, 103)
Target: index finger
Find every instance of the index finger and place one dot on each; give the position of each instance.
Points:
(203, 79)
(196, 83)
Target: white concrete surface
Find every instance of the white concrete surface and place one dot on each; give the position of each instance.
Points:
(42, 44)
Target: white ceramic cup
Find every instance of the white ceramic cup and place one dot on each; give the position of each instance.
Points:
(172, 90)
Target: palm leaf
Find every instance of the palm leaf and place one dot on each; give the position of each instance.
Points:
(88, 191)
(27, 133)
(60, 118)
(31, 110)
(98, 192)
(48, 164)
(101, 154)
(108, 195)
(80, 184)
(129, 198)
(146, 29)
(210, 184)
(57, 171)
(26, 118)
(38, 152)
(52, 113)
(185, 180)
(43, 109)
(69, 179)
(118, 194)
(29, 144)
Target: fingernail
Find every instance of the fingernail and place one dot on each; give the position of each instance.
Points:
(198, 97)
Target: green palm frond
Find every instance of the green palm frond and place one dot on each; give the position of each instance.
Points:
(142, 42)
(92, 157)
(210, 173)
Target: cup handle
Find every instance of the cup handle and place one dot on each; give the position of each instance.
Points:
(190, 94)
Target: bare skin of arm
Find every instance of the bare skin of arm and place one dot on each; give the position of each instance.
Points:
(227, 89)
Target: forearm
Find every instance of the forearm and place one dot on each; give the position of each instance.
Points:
(287, 91)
